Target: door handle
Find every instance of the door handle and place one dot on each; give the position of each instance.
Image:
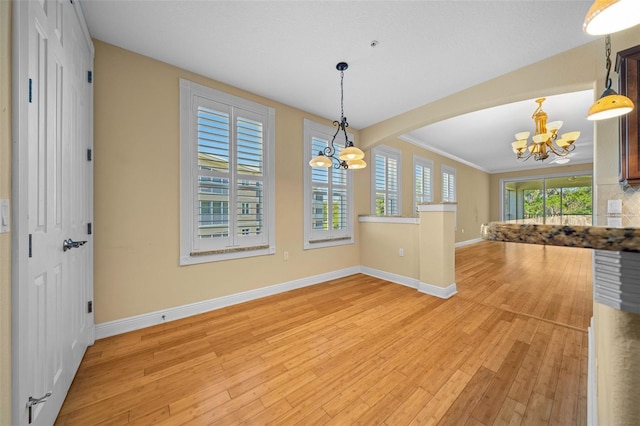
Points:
(69, 244)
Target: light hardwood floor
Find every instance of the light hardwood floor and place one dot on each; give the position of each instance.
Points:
(509, 348)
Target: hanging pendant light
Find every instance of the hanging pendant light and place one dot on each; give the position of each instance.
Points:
(610, 16)
(350, 157)
(610, 104)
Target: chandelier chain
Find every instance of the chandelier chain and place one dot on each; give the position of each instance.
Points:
(608, 61)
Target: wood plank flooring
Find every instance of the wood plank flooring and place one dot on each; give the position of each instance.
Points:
(510, 348)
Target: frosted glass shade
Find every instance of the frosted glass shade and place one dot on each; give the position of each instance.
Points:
(613, 105)
(541, 138)
(554, 125)
(610, 16)
(321, 161)
(563, 143)
(351, 153)
(522, 136)
(521, 144)
(571, 136)
(356, 164)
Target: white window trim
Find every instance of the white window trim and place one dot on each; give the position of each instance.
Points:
(423, 162)
(188, 151)
(450, 171)
(329, 238)
(390, 153)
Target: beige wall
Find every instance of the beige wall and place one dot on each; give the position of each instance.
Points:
(380, 247)
(497, 177)
(472, 188)
(5, 192)
(137, 143)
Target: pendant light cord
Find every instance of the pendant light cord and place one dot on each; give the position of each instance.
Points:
(342, 119)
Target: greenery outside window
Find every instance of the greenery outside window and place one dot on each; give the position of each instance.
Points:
(554, 200)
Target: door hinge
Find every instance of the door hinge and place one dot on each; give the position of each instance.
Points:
(30, 90)
(90, 306)
(89, 228)
(89, 154)
(90, 76)
(30, 250)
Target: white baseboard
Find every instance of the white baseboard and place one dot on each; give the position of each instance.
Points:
(138, 322)
(434, 290)
(430, 289)
(468, 242)
(388, 276)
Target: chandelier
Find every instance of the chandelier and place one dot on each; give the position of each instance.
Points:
(348, 158)
(545, 140)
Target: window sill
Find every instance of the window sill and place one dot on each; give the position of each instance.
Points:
(327, 242)
(225, 254)
(389, 219)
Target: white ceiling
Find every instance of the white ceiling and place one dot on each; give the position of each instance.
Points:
(426, 50)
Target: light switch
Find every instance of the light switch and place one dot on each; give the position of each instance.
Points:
(4, 216)
(614, 207)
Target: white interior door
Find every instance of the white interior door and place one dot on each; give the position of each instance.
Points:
(52, 284)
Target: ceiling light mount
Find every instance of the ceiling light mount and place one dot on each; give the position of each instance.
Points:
(610, 103)
(545, 141)
(349, 157)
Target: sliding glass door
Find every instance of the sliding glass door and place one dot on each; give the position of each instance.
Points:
(559, 200)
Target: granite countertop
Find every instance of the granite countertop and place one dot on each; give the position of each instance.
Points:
(595, 237)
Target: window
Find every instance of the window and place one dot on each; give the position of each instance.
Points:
(385, 175)
(328, 200)
(423, 190)
(226, 176)
(551, 200)
(448, 184)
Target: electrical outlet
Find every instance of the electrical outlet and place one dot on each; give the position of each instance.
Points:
(285, 255)
(401, 252)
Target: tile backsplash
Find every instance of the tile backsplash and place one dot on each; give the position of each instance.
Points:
(630, 216)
